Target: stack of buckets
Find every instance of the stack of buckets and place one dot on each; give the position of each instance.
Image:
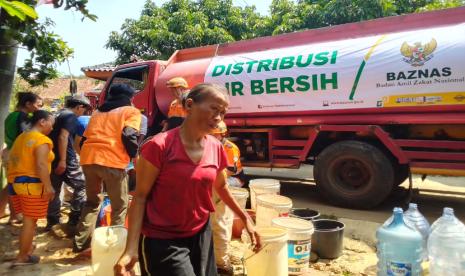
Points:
(286, 240)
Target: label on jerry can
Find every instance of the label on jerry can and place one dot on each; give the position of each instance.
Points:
(399, 269)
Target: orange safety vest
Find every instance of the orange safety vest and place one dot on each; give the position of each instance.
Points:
(234, 156)
(176, 109)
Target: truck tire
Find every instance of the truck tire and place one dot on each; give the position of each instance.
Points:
(400, 174)
(354, 174)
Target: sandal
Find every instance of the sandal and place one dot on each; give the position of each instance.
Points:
(15, 221)
(31, 260)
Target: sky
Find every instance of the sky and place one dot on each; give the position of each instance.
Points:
(88, 38)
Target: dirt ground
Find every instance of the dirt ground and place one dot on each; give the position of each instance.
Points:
(57, 257)
(359, 253)
(56, 254)
(357, 258)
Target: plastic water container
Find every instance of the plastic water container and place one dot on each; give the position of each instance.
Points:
(299, 242)
(240, 195)
(446, 246)
(262, 186)
(271, 260)
(108, 244)
(271, 206)
(414, 218)
(447, 214)
(399, 248)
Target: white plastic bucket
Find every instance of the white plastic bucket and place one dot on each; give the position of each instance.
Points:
(299, 243)
(240, 195)
(271, 206)
(262, 186)
(108, 244)
(271, 260)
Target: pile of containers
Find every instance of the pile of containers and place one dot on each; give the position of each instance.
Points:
(286, 233)
(262, 186)
(406, 239)
(240, 195)
(400, 247)
(446, 245)
(272, 258)
(299, 242)
(270, 206)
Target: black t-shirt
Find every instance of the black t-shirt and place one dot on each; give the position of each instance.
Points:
(66, 120)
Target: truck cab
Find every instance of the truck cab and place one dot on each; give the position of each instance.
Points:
(142, 77)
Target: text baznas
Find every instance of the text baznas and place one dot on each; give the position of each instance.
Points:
(291, 83)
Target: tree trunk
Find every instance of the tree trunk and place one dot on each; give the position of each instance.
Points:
(8, 54)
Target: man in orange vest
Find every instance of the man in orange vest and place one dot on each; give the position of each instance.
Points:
(176, 113)
(234, 169)
(222, 218)
(105, 153)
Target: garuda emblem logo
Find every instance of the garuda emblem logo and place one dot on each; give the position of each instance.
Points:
(418, 54)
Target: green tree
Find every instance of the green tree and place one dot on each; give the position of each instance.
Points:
(18, 9)
(409, 6)
(287, 16)
(284, 18)
(440, 4)
(180, 24)
(18, 86)
(19, 27)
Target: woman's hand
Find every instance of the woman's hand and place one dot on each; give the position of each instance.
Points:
(125, 264)
(225, 195)
(49, 192)
(255, 238)
(146, 176)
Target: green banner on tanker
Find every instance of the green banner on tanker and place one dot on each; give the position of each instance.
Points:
(415, 68)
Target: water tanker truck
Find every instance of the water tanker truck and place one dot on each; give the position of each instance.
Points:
(362, 102)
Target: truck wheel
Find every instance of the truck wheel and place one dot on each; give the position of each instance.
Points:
(400, 174)
(354, 174)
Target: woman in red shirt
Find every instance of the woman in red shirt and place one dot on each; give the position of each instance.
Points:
(169, 229)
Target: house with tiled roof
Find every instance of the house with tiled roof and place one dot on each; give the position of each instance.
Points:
(58, 88)
(100, 71)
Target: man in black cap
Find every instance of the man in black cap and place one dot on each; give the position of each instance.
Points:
(65, 167)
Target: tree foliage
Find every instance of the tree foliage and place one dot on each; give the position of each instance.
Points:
(21, 27)
(321, 13)
(18, 9)
(437, 5)
(180, 24)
